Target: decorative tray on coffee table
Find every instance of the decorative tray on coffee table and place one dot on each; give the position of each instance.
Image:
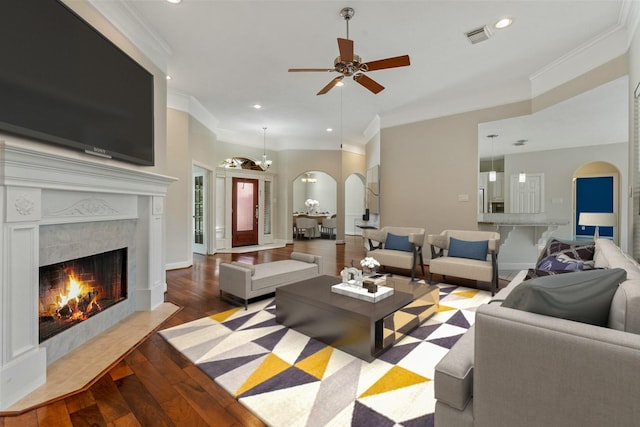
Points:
(362, 293)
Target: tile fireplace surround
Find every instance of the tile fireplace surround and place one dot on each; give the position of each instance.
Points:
(55, 208)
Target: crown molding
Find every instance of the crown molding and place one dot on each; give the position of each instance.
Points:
(591, 54)
(190, 104)
(136, 29)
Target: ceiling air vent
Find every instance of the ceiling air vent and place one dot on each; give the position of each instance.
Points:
(478, 35)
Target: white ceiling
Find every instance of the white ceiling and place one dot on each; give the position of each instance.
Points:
(229, 55)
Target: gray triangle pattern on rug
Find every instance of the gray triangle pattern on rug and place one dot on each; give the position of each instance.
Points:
(460, 320)
(219, 367)
(312, 347)
(289, 378)
(446, 342)
(276, 372)
(365, 416)
(398, 352)
(424, 331)
(270, 341)
(197, 351)
(336, 393)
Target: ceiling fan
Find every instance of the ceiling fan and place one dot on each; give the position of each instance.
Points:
(349, 64)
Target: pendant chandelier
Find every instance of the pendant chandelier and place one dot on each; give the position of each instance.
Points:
(522, 177)
(264, 163)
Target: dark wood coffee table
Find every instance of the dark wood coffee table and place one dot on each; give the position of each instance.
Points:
(360, 328)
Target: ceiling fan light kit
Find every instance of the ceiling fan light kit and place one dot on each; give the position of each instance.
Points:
(348, 64)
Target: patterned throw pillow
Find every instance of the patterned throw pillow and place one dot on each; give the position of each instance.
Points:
(532, 273)
(567, 256)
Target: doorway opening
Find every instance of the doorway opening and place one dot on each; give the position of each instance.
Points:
(315, 200)
(244, 219)
(354, 203)
(200, 210)
(596, 189)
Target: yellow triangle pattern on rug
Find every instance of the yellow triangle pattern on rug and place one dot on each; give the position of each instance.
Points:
(316, 364)
(291, 380)
(270, 367)
(396, 378)
(221, 317)
(466, 294)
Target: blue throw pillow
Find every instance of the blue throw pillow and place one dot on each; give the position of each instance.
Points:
(465, 249)
(399, 243)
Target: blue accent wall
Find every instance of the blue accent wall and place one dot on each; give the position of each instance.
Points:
(594, 195)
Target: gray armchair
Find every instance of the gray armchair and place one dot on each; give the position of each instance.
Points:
(399, 247)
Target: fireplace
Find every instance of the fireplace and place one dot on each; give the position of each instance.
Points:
(72, 291)
(53, 208)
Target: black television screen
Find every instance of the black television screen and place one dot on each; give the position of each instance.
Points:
(63, 82)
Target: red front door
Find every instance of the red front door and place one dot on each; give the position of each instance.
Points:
(244, 218)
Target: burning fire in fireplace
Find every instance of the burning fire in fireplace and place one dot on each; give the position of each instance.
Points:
(73, 291)
(78, 301)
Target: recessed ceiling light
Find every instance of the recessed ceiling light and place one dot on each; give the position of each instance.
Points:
(329, 130)
(340, 84)
(168, 77)
(503, 23)
(257, 106)
(174, 1)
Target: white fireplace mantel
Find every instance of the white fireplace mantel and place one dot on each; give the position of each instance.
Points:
(41, 187)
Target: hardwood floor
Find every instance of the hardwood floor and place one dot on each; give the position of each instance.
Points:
(154, 385)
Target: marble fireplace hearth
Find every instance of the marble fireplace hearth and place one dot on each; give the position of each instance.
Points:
(55, 208)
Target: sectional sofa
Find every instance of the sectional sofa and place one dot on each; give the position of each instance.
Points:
(520, 368)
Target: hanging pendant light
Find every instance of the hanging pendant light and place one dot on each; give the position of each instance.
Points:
(522, 177)
(492, 172)
(264, 163)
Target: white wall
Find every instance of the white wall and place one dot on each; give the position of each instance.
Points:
(324, 190)
(633, 233)
(559, 166)
(428, 168)
(178, 207)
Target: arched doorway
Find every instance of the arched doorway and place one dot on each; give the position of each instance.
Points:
(354, 203)
(596, 188)
(315, 194)
(318, 186)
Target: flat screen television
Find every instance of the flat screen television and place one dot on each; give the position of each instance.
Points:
(64, 83)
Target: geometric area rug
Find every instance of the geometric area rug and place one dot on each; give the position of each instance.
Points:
(288, 379)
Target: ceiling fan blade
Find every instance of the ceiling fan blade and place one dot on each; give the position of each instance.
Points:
(368, 82)
(346, 50)
(304, 70)
(331, 84)
(398, 61)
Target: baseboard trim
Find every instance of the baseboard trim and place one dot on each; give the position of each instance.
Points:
(178, 265)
